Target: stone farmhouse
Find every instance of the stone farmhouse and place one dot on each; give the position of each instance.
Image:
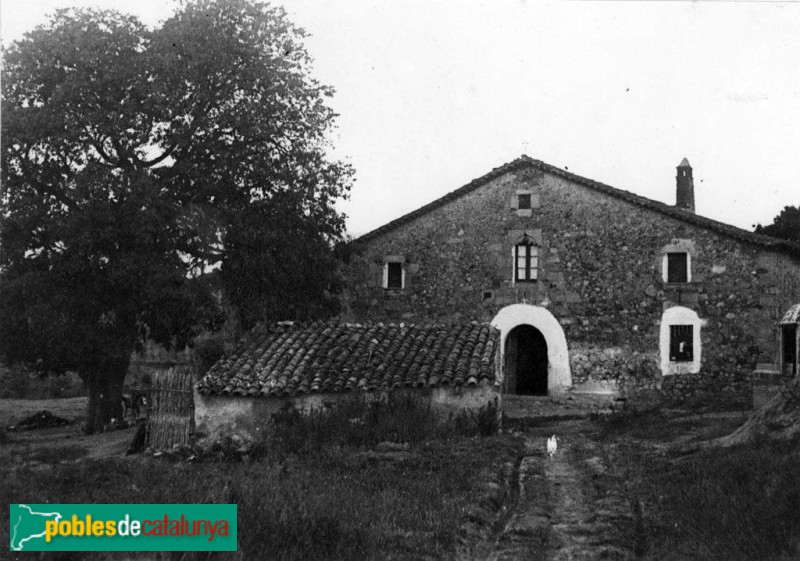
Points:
(592, 288)
(535, 281)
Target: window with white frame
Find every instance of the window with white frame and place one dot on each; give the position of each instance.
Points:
(680, 341)
(526, 261)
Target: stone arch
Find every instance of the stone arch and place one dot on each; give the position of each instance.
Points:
(559, 375)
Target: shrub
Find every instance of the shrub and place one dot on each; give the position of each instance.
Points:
(355, 421)
(208, 350)
(15, 382)
(359, 421)
(18, 382)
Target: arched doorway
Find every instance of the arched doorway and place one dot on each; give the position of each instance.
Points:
(545, 342)
(526, 361)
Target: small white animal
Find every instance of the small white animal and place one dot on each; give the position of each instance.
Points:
(552, 446)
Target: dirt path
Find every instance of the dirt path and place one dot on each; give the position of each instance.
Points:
(572, 506)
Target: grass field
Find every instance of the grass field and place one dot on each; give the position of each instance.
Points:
(369, 502)
(333, 504)
(735, 504)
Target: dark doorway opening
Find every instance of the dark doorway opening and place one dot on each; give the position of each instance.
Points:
(526, 361)
(790, 349)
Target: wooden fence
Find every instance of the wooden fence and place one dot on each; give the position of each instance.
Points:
(170, 412)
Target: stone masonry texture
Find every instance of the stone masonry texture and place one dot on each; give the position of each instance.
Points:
(600, 275)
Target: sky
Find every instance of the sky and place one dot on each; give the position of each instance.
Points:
(432, 94)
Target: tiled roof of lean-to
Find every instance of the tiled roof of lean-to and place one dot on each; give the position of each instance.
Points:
(524, 162)
(287, 359)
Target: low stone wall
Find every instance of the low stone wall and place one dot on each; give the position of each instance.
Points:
(245, 419)
(637, 377)
(630, 371)
(715, 390)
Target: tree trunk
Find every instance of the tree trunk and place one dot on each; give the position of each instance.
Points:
(105, 392)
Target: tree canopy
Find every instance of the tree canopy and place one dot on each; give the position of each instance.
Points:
(134, 159)
(785, 226)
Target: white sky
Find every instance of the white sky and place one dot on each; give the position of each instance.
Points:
(434, 94)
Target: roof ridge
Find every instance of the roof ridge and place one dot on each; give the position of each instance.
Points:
(524, 160)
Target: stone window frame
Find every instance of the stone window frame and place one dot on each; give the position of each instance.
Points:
(790, 341)
(534, 202)
(399, 259)
(675, 316)
(678, 246)
(529, 242)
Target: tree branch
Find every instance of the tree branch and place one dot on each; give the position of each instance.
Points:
(42, 188)
(99, 147)
(155, 161)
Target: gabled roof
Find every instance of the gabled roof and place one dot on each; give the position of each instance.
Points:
(524, 162)
(287, 359)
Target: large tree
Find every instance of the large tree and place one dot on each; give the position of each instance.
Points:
(134, 158)
(786, 225)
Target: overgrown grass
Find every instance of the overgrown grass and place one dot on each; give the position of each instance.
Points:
(656, 425)
(334, 503)
(360, 422)
(733, 504)
(736, 504)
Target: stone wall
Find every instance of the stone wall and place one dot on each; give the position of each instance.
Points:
(600, 274)
(245, 420)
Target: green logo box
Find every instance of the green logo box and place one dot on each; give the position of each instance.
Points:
(123, 527)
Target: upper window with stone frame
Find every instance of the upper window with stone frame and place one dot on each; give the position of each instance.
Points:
(678, 267)
(393, 275)
(526, 260)
(523, 201)
(676, 262)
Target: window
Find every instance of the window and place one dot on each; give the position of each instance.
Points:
(393, 275)
(524, 201)
(678, 267)
(676, 261)
(789, 347)
(681, 343)
(526, 261)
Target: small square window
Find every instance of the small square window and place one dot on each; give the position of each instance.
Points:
(524, 201)
(678, 267)
(681, 343)
(394, 275)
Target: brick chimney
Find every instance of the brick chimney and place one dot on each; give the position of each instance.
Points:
(685, 187)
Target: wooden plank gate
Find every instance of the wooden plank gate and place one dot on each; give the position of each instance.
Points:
(170, 412)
